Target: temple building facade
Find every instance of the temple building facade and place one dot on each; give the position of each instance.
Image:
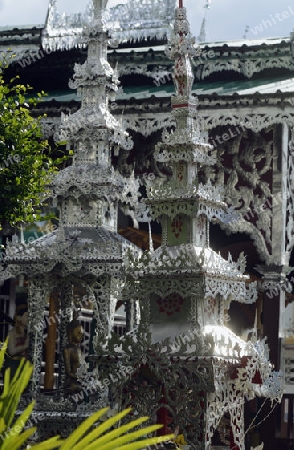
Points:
(173, 239)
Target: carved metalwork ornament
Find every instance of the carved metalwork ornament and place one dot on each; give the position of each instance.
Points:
(128, 22)
(178, 355)
(184, 285)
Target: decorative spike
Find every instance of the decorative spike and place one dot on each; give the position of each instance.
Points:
(180, 3)
(202, 35)
(181, 50)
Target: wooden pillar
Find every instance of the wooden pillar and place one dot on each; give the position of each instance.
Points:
(50, 343)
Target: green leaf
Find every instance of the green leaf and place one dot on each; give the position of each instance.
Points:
(82, 429)
(24, 154)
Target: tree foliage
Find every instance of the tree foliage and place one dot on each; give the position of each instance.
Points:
(25, 162)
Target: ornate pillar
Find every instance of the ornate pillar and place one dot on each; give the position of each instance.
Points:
(50, 343)
(145, 313)
(132, 314)
(104, 291)
(38, 294)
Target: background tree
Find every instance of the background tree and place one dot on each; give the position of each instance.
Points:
(26, 165)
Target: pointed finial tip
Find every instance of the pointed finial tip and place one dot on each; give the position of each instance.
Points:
(180, 3)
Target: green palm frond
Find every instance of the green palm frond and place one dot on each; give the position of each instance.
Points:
(12, 433)
(106, 438)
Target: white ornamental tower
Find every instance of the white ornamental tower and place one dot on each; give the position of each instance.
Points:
(189, 369)
(83, 260)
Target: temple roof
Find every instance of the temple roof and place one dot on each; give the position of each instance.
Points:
(127, 22)
(248, 42)
(270, 85)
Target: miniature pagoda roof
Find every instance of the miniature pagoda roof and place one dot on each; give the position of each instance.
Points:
(71, 246)
(189, 259)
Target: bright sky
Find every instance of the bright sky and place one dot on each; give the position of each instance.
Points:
(226, 19)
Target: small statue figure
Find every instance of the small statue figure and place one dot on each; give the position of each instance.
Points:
(72, 357)
(18, 340)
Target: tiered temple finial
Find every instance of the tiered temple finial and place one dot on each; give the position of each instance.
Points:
(182, 49)
(95, 135)
(184, 287)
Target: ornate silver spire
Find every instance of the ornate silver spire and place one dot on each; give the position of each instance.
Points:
(95, 80)
(89, 190)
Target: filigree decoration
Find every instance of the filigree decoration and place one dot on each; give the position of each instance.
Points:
(181, 42)
(251, 293)
(211, 192)
(181, 48)
(95, 73)
(49, 406)
(95, 78)
(251, 376)
(96, 181)
(104, 253)
(230, 290)
(142, 212)
(140, 367)
(170, 304)
(180, 375)
(258, 121)
(104, 306)
(190, 152)
(288, 190)
(148, 125)
(129, 22)
(257, 370)
(37, 296)
(167, 260)
(249, 191)
(85, 125)
(192, 208)
(190, 135)
(158, 189)
(215, 276)
(172, 209)
(186, 287)
(185, 258)
(253, 63)
(158, 72)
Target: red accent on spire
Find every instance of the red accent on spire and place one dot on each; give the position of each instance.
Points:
(180, 3)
